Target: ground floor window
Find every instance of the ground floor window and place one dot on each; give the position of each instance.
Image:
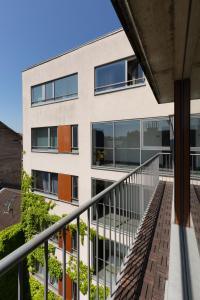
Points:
(40, 270)
(113, 259)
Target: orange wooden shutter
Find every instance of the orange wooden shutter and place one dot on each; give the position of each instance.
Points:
(65, 187)
(68, 288)
(68, 240)
(64, 139)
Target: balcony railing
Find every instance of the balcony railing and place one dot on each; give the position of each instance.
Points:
(120, 209)
(119, 85)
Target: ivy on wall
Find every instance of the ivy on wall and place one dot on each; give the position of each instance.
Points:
(37, 291)
(83, 271)
(35, 217)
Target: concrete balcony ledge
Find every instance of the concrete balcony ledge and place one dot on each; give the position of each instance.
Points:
(184, 265)
(184, 262)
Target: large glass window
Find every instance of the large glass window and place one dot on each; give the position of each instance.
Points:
(116, 144)
(117, 75)
(102, 136)
(156, 133)
(127, 143)
(112, 260)
(66, 87)
(44, 138)
(45, 182)
(59, 89)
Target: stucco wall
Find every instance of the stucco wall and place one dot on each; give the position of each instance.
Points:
(137, 102)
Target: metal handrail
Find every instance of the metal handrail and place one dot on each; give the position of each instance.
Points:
(118, 83)
(123, 190)
(19, 254)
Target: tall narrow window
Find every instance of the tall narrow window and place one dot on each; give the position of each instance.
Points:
(53, 137)
(127, 143)
(37, 94)
(102, 139)
(75, 189)
(49, 91)
(74, 138)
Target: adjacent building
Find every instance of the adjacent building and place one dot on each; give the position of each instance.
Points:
(10, 157)
(89, 117)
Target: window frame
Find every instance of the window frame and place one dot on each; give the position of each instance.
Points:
(35, 189)
(124, 168)
(47, 148)
(54, 99)
(143, 147)
(126, 59)
(114, 166)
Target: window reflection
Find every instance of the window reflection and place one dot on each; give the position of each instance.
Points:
(119, 74)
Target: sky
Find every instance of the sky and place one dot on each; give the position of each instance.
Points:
(34, 30)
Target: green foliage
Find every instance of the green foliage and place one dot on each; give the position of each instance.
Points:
(83, 269)
(55, 268)
(34, 209)
(37, 291)
(10, 239)
(93, 235)
(35, 218)
(93, 292)
(82, 229)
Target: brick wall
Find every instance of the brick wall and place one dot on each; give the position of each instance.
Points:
(10, 157)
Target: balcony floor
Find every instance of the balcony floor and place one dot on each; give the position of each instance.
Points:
(146, 269)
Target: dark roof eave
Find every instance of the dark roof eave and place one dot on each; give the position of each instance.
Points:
(130, 28)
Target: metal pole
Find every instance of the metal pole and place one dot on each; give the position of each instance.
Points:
(64, 263)
(78, 258)
(46, 254)
(88, 240)
(20, 280)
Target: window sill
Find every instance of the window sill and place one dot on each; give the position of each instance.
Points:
(53, 151)
(119, 89)
(104, 168)
(52, 197)
(53, 101)
(46, 195)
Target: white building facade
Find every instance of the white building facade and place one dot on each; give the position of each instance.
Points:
(89, 117)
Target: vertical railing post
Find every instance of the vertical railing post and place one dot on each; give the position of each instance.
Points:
(119, 197)
(78, 257)
(64, 263)
(46, 254)
(110, 228)
(88, 245)
(20, 280)
(104, 250)
(115, 261)
(97, 249)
